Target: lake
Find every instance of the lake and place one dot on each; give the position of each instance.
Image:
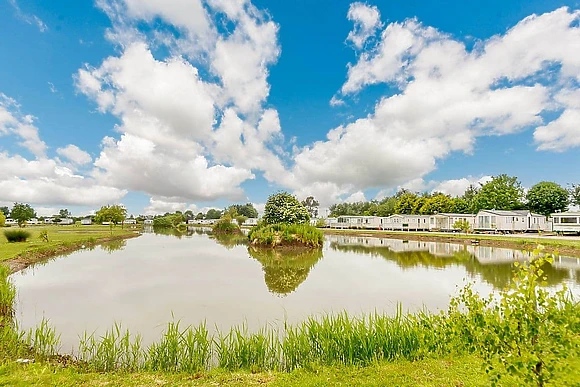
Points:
(148, 281)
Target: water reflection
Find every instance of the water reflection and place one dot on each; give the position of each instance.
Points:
(493, 265)
(114, 245)
(285, 270)
(230, 241)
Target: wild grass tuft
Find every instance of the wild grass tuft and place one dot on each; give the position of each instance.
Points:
(272, 235)
(43, 340)
(17, 235)
(7, 297)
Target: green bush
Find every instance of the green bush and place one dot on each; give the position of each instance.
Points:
(16, 235)
(226, 226)
(283, 207)
(273, 235)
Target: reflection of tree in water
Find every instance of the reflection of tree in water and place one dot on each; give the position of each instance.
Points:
(115, 245)
(499, 275)
(174, 231)
(229, 241)
(285, 270)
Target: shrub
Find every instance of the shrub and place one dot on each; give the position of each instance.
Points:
(16, 235)
(285, 208)
(273, 235)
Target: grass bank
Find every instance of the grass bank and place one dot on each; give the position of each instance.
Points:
(286, 235)
(61, 240)
(562, 245)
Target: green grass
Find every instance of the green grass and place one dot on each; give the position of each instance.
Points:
(16, 235)
(58, 237)
(273, 235)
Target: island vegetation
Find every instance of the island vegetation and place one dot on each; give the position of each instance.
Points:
(285, 224)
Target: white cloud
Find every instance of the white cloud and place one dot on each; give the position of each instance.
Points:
(446, 97)
(28, 18)
(366, 19)
(161, 205)
(75, 154)
(12, 121)
(358, 196)
(457, 187)
(335, 101)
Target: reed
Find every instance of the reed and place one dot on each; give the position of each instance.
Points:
(7, 297)
(17, 235)
(43, 340)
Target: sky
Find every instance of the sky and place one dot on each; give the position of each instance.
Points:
(165, 105)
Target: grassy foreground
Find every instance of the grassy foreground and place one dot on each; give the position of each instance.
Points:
(61, 239)
(461, 371)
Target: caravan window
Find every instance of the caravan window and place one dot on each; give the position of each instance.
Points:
(569, 220)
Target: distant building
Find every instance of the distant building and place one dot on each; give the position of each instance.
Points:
(130, 221)
(66, 221)
(445, 221)
(566, 222)
(510, 221)
(148, 222)
(86, 221)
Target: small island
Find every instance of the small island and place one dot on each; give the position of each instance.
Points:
(285, 224)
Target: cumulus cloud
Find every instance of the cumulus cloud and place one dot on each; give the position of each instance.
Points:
(366, 19)
(13, 122)
(447, 96)
(74, 154)
(161, 205)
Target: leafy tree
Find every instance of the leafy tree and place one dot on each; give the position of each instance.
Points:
(283, 207)
(311, 205)
(65, 213)
(247, 210)
(199, 216)
(437, 203)
(22, 212)
(386, 207)
(406, 203)
(460, 206)
(240, 219)
(113, 214)
(503, 192)
(5, 210)
(188, 214)
(575, 194)
(2, 219)
(547, 197)
(213, 214)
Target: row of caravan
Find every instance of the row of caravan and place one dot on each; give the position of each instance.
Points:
(485, 220)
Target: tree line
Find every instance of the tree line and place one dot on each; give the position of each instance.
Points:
(502, 192)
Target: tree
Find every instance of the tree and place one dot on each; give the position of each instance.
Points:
(575, 194)
(2, 219)
(547, 197)
(188, 214)
(438, 203)
(22, 213)
(503, 192)
(462, 225)
(240, 219)
(405, 203)
(311, 205)
(5, 210)
(213, 214)
(285, 208)
(247, 210)
(199, 216)
(460, 206)
(113, 214)
(65, 213)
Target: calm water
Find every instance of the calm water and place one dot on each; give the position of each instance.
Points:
(145, 281)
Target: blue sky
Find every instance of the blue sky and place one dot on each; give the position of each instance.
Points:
(165, 105)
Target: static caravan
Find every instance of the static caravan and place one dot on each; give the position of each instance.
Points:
(10, 222)
(348, 221)
(328, 222)
(501, 221)
(130, 221)
(66, 221)
(148, 222)
(534, 222)
(86, 221)
(32, 221)
(405, 222)
(445, 221)
(566, 222)
(48, 220)
(250, 222)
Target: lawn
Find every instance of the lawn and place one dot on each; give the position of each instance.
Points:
(59, 237)
(463, 371)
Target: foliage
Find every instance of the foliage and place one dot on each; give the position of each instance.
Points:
(2, 219)
(575, 194)
(527, 332)
(320, 223)
(406, 202)
(225, 226)
(22, 212)
(7, 297)
(283, 207)
(64, 213)
(113, 214)
(240, 219)
(503, 192)
(199, 216)
(16, 235)
(311, 205)
(247, 210)
(273, 235)
(43, 236)
(169, 220)
(5, 210)
(547, 197)
(213, 213)
(438, 203)
(462, 225)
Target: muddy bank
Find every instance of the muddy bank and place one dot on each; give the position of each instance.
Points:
(523, 242)
(29, 258)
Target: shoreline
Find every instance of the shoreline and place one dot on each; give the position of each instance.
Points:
(561, 246)
(29, 258)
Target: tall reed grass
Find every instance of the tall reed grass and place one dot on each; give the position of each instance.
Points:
(17, 235)
(272, 235)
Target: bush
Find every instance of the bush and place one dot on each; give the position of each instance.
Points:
(272, 235)
(285, 208)
(16, 235)
(226, 226)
